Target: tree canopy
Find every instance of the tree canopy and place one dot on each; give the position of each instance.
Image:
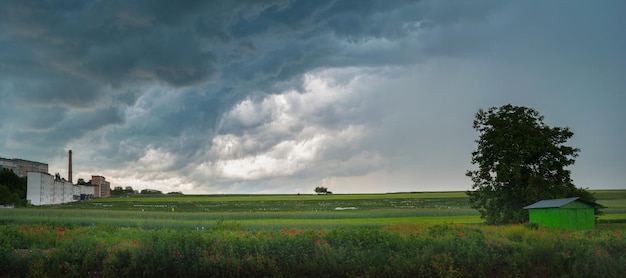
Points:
(12, 188)
(322, 190)
(520, 161)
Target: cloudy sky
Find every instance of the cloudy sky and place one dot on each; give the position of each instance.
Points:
(282, 96)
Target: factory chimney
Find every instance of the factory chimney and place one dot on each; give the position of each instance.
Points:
(69, 168)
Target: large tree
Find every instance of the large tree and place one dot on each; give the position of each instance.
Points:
(520, 161)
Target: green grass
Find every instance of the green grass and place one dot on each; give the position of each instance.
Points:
(609, 194)
(284, 197)
(276, 211)
(385, 235)
(393, 250)
(253, 220)
(274, 203)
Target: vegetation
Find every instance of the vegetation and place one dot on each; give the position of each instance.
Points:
(256, 211)
(118, 190)
(432, 234)
(520, 161)
(82, 181)
(322, 190)
(151, 192)
(12, 189)
(403, 250)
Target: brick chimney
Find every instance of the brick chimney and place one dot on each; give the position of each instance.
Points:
(69, 168)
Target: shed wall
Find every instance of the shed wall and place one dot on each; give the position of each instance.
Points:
(573, 218)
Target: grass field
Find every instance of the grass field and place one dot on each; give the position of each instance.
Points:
(277, 211)
(256, 211)
(432, 234)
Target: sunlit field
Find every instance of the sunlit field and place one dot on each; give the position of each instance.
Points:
(356, 235)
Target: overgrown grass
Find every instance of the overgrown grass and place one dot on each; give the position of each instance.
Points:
(385, 235)
(395, 250)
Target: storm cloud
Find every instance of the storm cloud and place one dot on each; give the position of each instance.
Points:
(282, 96)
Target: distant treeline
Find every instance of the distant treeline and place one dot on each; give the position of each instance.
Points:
(118, 190)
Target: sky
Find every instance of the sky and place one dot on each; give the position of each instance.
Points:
(234, 97)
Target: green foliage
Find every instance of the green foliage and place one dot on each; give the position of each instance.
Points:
(7, 197)
(222, 225)
(407, 250)
(118, 190)
(520, 161)
(151, 192)
(12, 189)
(321, 190)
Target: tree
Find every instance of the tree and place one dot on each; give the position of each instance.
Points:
(7, 197)
(151, 191)
(321, 190)
(14, 188)
(129, 190)
(520, 161)
(81, 181)
(117, 191)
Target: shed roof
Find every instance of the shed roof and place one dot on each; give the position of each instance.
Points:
(557, 203)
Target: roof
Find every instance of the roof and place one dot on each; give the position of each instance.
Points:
(557, 203)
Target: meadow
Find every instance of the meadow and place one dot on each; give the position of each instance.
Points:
(370, 235)
(256, 211)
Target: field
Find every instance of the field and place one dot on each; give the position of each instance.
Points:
(431, 234)
(257, 211)
(276, 211)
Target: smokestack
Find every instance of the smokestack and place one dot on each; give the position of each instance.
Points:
(69, 171)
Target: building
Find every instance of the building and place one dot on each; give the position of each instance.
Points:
(21, 167)
(102, 188)
(44, 189)
(569, 213)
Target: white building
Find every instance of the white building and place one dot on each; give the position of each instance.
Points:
(43, 189)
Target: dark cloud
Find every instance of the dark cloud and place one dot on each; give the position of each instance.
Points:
(350, 90)
(58, 90)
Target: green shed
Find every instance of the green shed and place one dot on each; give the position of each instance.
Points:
(569, 213)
